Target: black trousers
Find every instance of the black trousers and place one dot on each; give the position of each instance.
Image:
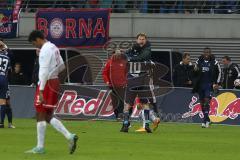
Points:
(141, 86)
(118, 96)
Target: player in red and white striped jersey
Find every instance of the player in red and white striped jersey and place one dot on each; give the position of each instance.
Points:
(46, 96)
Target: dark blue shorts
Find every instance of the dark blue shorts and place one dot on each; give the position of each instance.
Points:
(3, 87)
(205, 91)
(141, 87)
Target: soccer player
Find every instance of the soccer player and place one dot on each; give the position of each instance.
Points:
(152, 117)
(50, 64)
(4, 69)
(208, 77)
(139, 56)
(8, 106)
(8, 110)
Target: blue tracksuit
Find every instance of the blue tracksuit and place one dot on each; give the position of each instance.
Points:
(209, 74)
(4, 67)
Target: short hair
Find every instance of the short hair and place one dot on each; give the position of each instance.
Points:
(118, 54)
(18, 63)
(185, 54)
(227, 58)
(35, 34)
(207, 48)
(141, 35)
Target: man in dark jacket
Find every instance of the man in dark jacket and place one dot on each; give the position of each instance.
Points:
(182, 76)
(230, 73)
(208, 77)
(17, 77)
(139, 79)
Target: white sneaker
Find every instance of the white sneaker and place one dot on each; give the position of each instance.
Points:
(11, 126)
(207, 124)
(36, 150)
(203, 125)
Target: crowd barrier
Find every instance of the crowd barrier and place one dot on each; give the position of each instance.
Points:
(94, 102)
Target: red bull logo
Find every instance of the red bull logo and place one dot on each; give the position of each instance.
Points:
(72, 104)
(4, 20)
(222, 107)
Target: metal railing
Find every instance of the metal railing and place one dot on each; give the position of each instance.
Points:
(142, 6)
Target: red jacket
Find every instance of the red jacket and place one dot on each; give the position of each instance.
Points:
(115, 73)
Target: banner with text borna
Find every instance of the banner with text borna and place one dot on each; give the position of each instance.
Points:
(74, 28)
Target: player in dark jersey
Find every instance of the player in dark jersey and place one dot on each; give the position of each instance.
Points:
(4, 68)
(8, 109)
(208, 78)
(139, 81)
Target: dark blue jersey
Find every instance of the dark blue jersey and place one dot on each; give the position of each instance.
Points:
(4, 63)
(206, 73)
(210, 70)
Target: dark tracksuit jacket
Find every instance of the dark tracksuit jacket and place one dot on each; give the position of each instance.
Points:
(182, 74)
(230, 74)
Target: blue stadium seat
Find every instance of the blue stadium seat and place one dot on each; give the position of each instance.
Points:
(106, 3)
(144, 7)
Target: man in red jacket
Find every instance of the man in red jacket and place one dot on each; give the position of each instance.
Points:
(115, 76)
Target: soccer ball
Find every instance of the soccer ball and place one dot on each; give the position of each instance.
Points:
(237, 83)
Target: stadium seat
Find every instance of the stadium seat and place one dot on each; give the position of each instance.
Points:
(106, 3)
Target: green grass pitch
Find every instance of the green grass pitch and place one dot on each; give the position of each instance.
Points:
(99, 140)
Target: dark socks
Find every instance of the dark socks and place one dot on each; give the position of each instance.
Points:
(126, 117)
(206, 116)
(3, 111)
(130, 111)
(9, 113)
(205, 110)
(116, 113)
(146, 115)
(155, 108)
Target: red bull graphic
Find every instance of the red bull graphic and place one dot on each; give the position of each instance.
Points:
(8, 29)
(233, 109)
(5, 27)
(195, 109)
(71, 104)
(4, 19)
(94, 102)
(222, 107)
